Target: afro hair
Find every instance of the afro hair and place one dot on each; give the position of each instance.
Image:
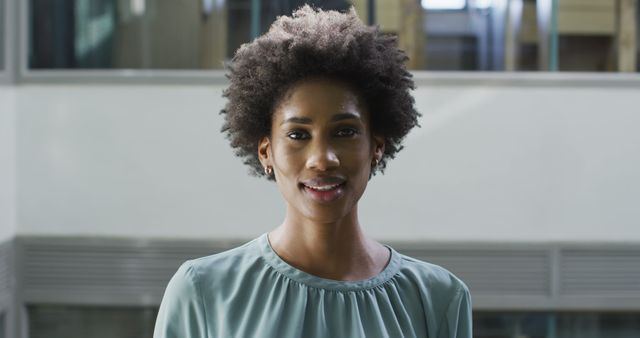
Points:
(317, 43)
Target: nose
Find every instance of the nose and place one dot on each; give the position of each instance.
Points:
(322, 156)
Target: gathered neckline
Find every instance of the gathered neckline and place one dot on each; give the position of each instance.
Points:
(310, 280)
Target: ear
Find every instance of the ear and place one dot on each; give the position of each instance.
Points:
(378, 147)
(264, 151)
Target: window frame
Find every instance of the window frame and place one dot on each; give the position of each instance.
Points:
(4, 40)
(22, 73)
(8, 73)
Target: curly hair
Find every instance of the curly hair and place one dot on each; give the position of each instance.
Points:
(317, 43)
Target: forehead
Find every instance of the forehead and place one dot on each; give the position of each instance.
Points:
(320, 99)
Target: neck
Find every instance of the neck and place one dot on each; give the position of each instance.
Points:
(337, 250)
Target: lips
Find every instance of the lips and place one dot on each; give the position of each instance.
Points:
(324, 189)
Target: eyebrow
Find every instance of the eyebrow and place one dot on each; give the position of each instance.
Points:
(307, 120)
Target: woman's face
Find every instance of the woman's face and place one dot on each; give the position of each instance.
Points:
(321, 149)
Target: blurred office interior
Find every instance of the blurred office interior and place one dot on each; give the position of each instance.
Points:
(524, 179)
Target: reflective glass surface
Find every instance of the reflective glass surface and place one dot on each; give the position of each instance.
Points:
(58, 321)
(555, 325)
(638, 36)
(467, 38)
(2, 33)
(149, 34)
(529, 35)
(460, 35)
(3, 326)
(138, 34)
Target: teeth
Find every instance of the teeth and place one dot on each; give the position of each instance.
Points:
(324, 188)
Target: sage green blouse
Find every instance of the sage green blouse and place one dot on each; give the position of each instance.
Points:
(251, 292)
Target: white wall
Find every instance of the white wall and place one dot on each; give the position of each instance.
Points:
(489, 164)
(7, 163)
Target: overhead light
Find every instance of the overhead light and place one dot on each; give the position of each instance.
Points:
(482, 4)
(207, 6)
(444, 4)
(138, 7)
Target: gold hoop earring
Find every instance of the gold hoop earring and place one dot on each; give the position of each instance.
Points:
(375, 162)
(268, 170)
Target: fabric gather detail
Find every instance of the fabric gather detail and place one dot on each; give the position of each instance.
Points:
(306, 279)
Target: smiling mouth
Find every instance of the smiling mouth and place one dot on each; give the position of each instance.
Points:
(323, 187)
(324, 193)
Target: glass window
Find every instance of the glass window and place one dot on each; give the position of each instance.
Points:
(638, 36)
(59, 321)
(555, 325)
(140, 34)
(595, 325)
(511, 325)
(149, 34)
(2, 32)
(451, 35)
(587, 35)
(467, 37)
(513, 35)
(3, 327)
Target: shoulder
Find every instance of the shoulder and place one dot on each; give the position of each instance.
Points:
(437, 285)
(210, 278)
(432, 277)
(213, 269)
(186, 305)
(445, 297)
(238, 254)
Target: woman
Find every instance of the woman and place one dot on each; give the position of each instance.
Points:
(318, 104)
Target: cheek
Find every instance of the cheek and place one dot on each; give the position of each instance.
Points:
(286, 161)
(359, 155)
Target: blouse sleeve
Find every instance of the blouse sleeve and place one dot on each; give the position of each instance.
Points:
(457, 322)
(182, 313)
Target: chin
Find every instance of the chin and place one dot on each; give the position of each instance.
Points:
(325, 214)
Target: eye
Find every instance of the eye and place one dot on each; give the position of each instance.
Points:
(347, 132)
(298, 135)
